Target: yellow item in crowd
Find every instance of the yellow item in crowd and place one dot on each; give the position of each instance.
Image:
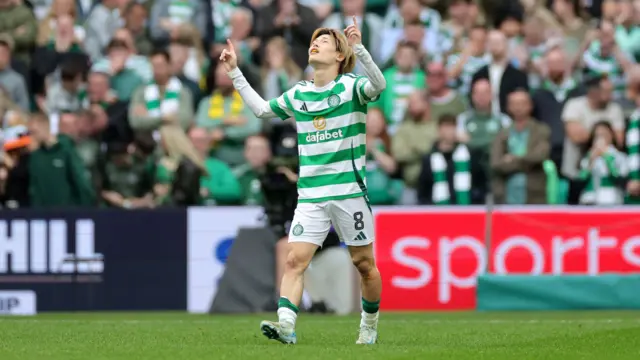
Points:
(216, 105)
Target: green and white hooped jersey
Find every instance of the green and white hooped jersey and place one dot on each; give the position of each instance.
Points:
(331, 136)
(473, 64)
(596, 64)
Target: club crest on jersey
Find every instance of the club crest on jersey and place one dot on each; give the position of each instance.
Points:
(298, 230)
(319, 123)
(333, 100)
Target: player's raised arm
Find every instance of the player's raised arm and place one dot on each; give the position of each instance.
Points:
(260, 107)
(376, 83)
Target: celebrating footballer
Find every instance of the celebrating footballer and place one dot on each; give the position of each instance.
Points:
(329, 113)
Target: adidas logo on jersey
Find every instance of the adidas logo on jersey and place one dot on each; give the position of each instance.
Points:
(303, 107)
(321, 136)
(361, 236)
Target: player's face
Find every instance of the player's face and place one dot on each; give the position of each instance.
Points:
(323, 50)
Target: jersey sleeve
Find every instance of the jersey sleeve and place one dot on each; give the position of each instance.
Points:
(359, 88)
(281, 106)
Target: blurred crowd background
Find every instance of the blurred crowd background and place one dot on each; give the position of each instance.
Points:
(122, 103)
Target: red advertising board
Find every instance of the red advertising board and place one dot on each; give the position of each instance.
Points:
(430, 260)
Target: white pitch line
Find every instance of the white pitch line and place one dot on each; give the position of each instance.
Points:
(323, 321)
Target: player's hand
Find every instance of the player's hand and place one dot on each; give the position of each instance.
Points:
(229, 57)
(353, 34)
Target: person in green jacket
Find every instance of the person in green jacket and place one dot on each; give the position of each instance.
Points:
(221, 186)
(57, 177)
(257, 153)
(403, 79)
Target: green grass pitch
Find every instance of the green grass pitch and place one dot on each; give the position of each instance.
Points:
(441, 336)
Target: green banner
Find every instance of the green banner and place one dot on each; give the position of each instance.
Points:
(561, 292)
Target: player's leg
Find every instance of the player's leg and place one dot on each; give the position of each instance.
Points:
(353, 221)
(363, 259)
(308, 230)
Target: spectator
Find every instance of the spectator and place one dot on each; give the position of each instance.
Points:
(56, 175)
(294, 22)
(126, 180)
(87, 144)
(67, 95)
(279, 71)
(257, 153)
(168, 15)
(517, 156)
(556, 87)
(370, 25)
(627, 32)
(139, 64)
(64, 47)
(109, 115)
(603, 168)
(603, 57)
(102, 23)
(227, 118)
(188, 59)
(445, 177)
(403, 78)
(222, 15)
(9, 110)
(463, 17)
(531, 48)
(12, 82)
(477, 128)
(503, 77)
(136, 16)
(442, 99)
(462, 66)
(122, 79)
(411, 21)
(574, 28)
(322, 8)
(65, 38)
(382, 189)
(164, 102)
(413, 139)
(221, 187)
(17, 21)
(14, 170)
(47, 26)
(240, 28)
(579, 116)
(534, 9)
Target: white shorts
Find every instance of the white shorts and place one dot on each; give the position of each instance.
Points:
(351, 218)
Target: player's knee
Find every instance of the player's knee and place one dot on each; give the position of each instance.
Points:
(364, 264)
(296, 262)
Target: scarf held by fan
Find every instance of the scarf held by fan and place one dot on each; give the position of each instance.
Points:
(461, 177)
(603, 176)
(167, 105)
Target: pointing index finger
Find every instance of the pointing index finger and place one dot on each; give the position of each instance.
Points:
(231, 48)
(355, 21)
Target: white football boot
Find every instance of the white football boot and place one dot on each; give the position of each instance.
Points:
(368, 335)
(273, 330)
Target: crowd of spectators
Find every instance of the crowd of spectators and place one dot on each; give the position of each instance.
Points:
(121, 103)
